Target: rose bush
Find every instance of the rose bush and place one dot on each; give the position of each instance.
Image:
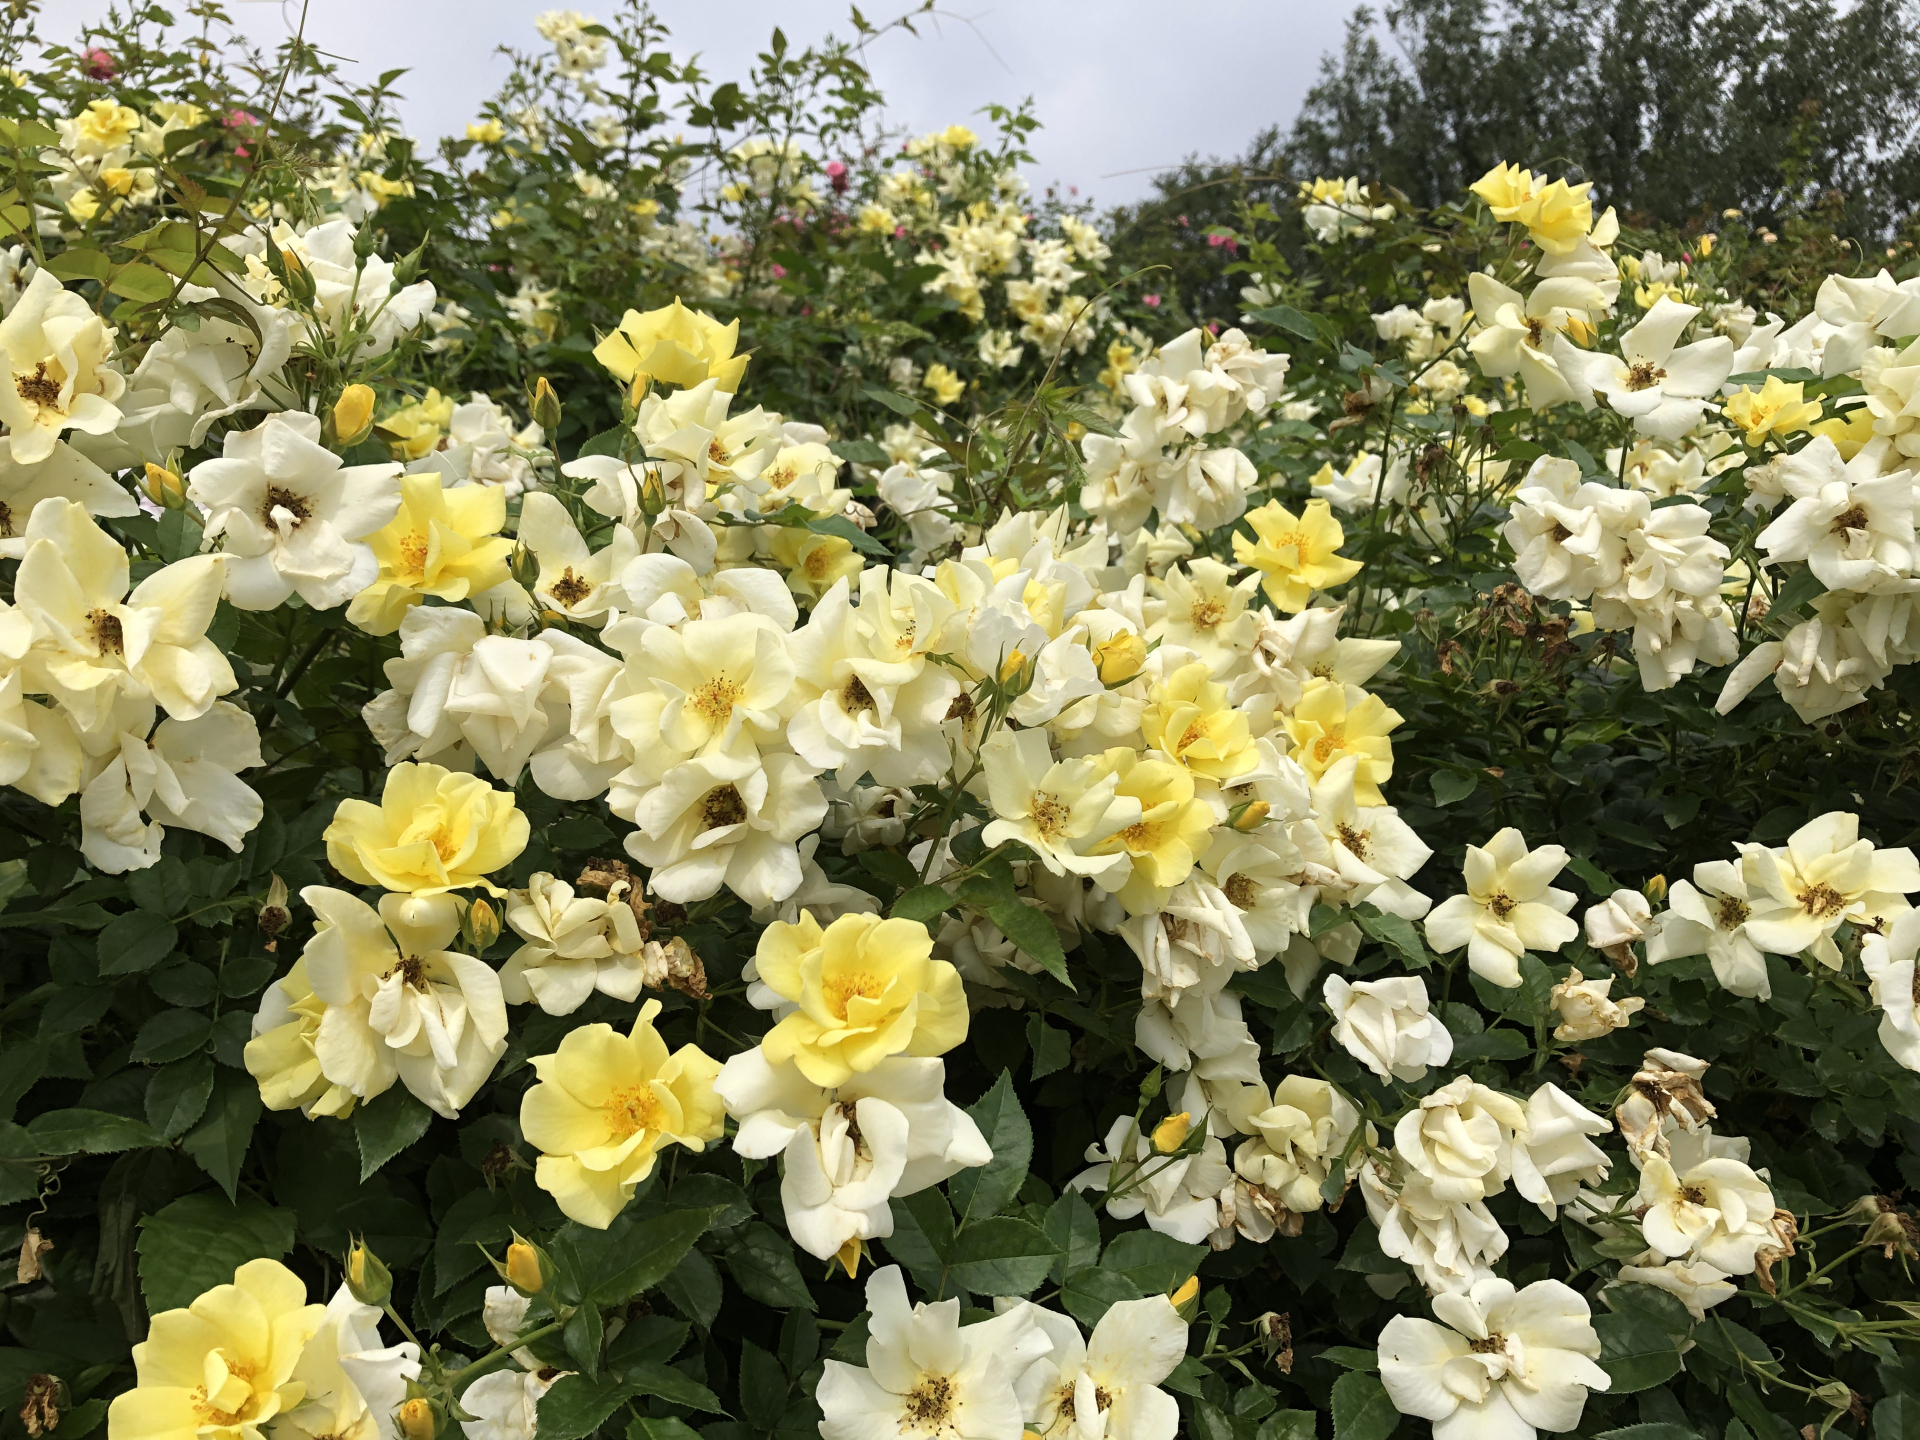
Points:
(857, 842)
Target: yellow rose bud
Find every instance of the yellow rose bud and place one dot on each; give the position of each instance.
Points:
(1186, 1298)
(847, 1257)
(353, 415)
(1011, 667)
(1171, 1133)
(369, 1280)
(1249, 816)
(545, 406)
(1706, 245)
(524, 1270)
(416, 1420)
(483, 925)
(1120, 658)
(1656, 889)
(164, 488)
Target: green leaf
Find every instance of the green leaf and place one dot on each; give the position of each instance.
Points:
(640, 1427)
(848, 531)
(1449, 787)
(985, 1191)
(147, 284)
(1089, 1291)
(1653, 1430)
(762, 1264)
(1288, 1425)
(1395, 932)
(171, 1035)
(1029, 927)
(218, 1144)
(922, 903)
(1597, 880)
(1002, 1256)
(387, 1125)
(88, 1132)
(693, 1288)
(607, 442)
(1152, 1261)
(650, 1253)
(1052, 1048)
(650, 1377)
(79, 264)
(136, 942)
(1350, 1357)
(862, 452)
(1635, 1352)
(1802, 587)
(1285, 317)
(1492, 1045)
(1075, 1231)
(177, 1095)
(583, 1336)
(1897, 1417)
(764, 1387)
(199, 1240)
(577, 1406)
(1362, 1410)
(899, 404)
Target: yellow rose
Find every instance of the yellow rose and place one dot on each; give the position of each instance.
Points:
(1557, 215)
(443, 543)
(1776, 408)
(103, 126)
(867, 989)
(1167, 838)
(605, 1104)
(1848, 434)
(1188, 720)
(941, 383)
(221, 1368)
(1297, 556)
(814, 562)
(1334, 720)
(433, 831)
(673, 346)
(487, 132)
(1504, 188)
(282, 1059)
(415, 428)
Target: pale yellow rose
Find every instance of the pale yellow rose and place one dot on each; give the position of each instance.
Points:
(1295, 555)
(605, 1104)
(221, 1368)
(673, 346)
(444, 543)
(433, 831)
(867, 989)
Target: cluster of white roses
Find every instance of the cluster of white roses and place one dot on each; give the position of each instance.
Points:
(1196, 386)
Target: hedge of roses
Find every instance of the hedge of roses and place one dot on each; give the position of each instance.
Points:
(866, 840)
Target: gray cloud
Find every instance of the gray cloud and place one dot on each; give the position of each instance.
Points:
(1123, 87)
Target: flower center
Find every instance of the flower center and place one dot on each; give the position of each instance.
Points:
(1536, 331)
(1822, 901)
(1492, 1345)
(570, 589)
(1206, 614)
(39, 388)
(1049, 814)
(6, 519)
(1852, 518)
(930, 1403)
(855, 697)
(1501, 904)
(108, 638)
(295, 506)
(1240, 891)
(413, 553)
(1354, 840)
(412, 971)
(840, 990)
(631, 1109)
(962, 707)
(714, 700)
(1693, 1195)
(1334, 739)
(1732, 912)
(722, 805)
(1644, 375)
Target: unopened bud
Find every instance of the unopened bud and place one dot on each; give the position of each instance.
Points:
(1150, 1087)
(274, 914)
(1171, 1133)
(416, 1420)
(1836, 1393)
(545, 406)
(1011, 667)
(1186, 1300)
(369, 1280)
(847, 1257)
(352, 415)
(1120, 658)
(482, 925)
(1249, 815)
(525, 1272)
(295, 276)
(653, 493)
(165, 488)
(1656, 889)
(641, 388)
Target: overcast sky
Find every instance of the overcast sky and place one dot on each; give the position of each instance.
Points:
(1123, 87)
